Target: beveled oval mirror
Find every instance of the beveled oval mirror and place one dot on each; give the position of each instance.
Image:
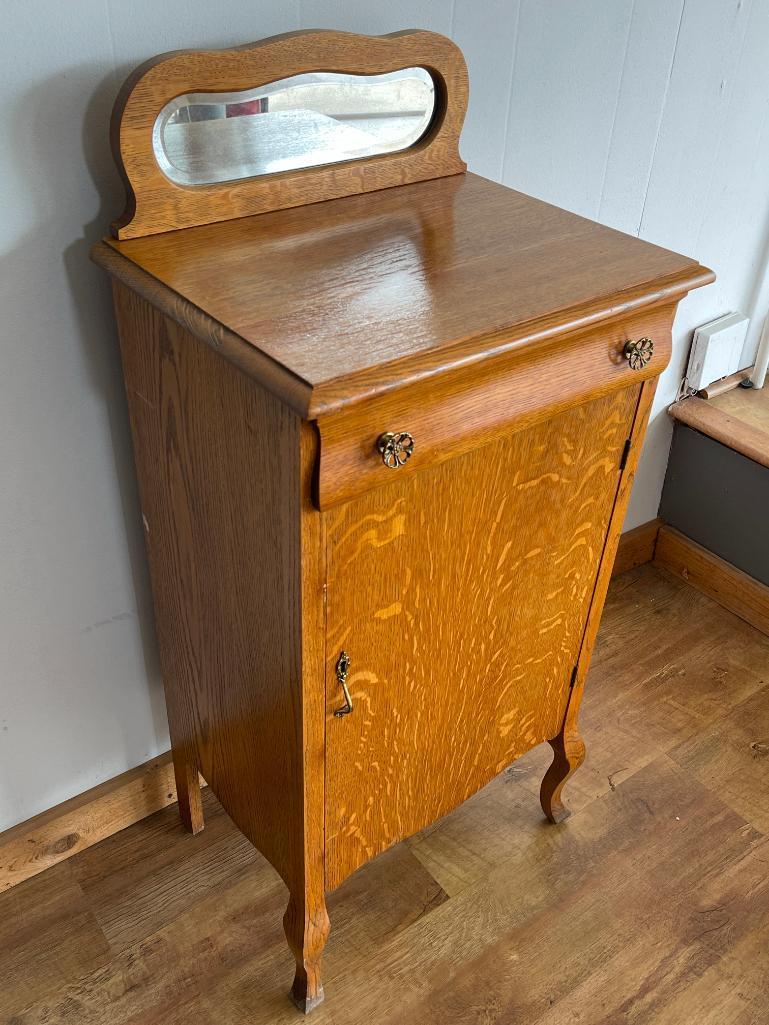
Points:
(306, 120)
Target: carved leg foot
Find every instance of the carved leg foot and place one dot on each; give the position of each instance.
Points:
(307, 927)
(188, 792)
(568, 755)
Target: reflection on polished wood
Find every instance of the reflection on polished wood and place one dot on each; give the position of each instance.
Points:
(664, 870)
(408, 283)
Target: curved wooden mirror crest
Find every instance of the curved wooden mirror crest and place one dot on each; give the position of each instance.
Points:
(168, 188)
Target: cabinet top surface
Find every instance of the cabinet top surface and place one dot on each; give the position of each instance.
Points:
(350, 295)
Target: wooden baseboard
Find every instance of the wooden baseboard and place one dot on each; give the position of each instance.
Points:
(636, 547)
(730, 587)
(54, 835)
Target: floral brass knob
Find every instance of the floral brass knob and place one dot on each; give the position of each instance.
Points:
(396, 448)
(639, 354)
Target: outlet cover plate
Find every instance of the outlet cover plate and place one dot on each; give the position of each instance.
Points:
(716, 350)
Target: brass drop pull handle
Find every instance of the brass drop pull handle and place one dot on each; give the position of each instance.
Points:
(342, 669)
(396, 448)
(639, 354)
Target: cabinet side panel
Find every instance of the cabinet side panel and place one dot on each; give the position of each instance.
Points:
(219, 466)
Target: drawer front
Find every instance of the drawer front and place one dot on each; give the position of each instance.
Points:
(460, 596)
(452, 414)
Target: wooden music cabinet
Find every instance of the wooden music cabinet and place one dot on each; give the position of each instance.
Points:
(385, 444)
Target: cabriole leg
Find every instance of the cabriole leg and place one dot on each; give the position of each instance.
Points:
(307, 927)
(568, 754)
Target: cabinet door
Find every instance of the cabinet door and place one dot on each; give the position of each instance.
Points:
(460, 594)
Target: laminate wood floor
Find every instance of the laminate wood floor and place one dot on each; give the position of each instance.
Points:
(649, 905)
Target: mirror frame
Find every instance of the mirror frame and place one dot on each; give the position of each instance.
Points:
(154, 203)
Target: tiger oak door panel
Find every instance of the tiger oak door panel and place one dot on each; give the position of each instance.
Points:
(460, 594)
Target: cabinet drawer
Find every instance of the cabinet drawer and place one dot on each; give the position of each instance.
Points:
(452, 414)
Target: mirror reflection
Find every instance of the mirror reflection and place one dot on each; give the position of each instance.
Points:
(304, 121)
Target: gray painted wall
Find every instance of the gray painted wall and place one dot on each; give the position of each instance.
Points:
(649, 115)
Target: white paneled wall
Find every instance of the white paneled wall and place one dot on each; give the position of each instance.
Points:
(649, 115)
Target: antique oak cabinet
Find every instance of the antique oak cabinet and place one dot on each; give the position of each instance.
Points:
(386, 415)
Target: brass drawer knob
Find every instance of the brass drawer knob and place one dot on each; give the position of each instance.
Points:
(396, 448)
(639, 354)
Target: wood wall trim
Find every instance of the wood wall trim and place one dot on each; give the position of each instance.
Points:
(708, 419)
(730, 587)
(636, 547)
(60, 832)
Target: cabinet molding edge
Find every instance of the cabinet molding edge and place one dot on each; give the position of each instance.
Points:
(636, 547)
(733, 589)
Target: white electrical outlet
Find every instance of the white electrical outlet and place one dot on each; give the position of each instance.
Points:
(716, 350)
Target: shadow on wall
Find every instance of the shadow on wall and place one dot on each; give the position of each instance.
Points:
(91, 296)
(98, 332)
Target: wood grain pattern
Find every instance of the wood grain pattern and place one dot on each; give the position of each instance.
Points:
(479, 574)
(237, 574)
(729, 757)
(458, 412)
(690, 656)
(736, 591)
(227, 612)
(49, 935)
(60, 832)
(664, 868)
(568, 752)
(749, 405)
(725, 384)
(468, 588)
(187, 780)
(306, 922)
(636, 547)
(708, 418)
(45, 840)
(156, 204)
(295, 393)
(406, 284)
